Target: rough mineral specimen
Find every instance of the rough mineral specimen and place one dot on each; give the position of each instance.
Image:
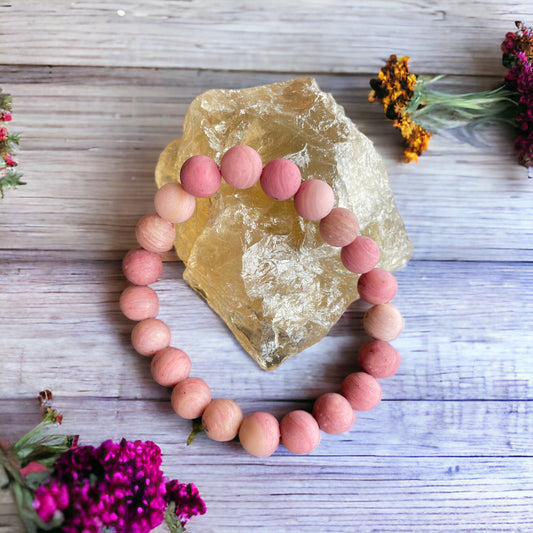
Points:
(263, 269)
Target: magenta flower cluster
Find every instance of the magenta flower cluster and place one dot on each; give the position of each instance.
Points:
(190, 503)
(113, 487)
(517, 50)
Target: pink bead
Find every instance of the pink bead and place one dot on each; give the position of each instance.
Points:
(281, 179)
(222, 420)
(333, 413)
(314, 199)
(200, 176)
(361, 255)
(300, 433)
(190, 397)
(155, 234)
(138, 302)
(149, 336)
(170, 366)
(340, 227)
(377, 286)
(173, 203)
(379, 359)
(383, 322)
(362, 391)
(142, 267)
(241, 166)
(259, 434)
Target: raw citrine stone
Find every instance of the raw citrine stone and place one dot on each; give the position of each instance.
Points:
(261, 267)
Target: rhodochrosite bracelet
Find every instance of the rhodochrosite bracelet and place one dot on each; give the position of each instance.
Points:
(260, 433)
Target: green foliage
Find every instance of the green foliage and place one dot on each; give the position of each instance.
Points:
(5, 100)
(11, 180)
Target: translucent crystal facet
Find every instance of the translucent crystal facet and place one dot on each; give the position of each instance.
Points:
(263, 269)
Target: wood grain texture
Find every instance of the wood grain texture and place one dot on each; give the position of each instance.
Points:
(100, 88)
(281, 35)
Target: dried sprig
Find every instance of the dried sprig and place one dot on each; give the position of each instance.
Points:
(419, 111)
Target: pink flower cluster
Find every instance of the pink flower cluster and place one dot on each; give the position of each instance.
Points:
(518, 57)
(190, 503)
(118, 487)
(6, 160)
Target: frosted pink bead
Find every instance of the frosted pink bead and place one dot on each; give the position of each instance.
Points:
(259, 434)
(281, 179)
(300, 433)
(361, 255)
(377, 286)
(138, 302)
(142, 267)
(340, 227)
(362, 391)
(149, 336)
(170, 366)
(222, 420)
(200, 176)
(379, 359)
(173, 203)
(155, 234)
(383, 322)
(241, 166)
(314, 199)
(190, 397)
(333, 413)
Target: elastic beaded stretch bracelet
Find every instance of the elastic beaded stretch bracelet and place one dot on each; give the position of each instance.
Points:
(260, 433)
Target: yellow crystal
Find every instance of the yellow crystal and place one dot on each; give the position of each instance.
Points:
(262, 268)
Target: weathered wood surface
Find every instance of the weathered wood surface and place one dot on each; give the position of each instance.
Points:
(100, 88)
(281, 36)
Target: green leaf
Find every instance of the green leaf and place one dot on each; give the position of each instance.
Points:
(18, 492)
(48, 451)
(36, 479)
(5, 101)
(37, 440)
(171, 520)
(12, 141)
(196, 428)
(9, 461)
(11, 180)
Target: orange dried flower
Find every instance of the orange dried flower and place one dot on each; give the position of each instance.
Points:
(395, 88)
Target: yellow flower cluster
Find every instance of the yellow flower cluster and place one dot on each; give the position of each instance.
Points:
(395, 88)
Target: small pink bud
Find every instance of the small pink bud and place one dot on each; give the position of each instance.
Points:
(10, 162)
(32, 468)
(6, 116)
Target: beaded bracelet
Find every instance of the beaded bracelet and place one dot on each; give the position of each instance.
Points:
(260, 433)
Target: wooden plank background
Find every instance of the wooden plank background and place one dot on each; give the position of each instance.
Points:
(100, 88)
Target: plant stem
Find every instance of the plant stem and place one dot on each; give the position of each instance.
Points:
(437, 110)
